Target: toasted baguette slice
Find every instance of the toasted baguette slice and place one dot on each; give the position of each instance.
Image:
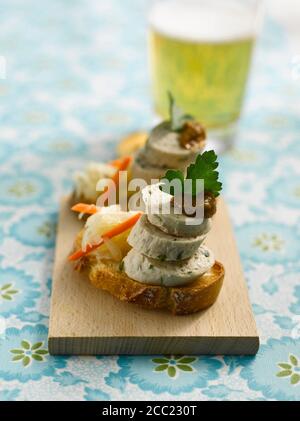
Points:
(131, 143)
(198, 295)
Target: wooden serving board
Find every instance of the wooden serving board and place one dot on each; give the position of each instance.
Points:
(85, 320)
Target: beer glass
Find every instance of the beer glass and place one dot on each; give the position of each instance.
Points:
(200, 51)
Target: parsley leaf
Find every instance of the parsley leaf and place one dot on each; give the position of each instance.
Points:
(170, 176)
(177, 117)
(205, 168)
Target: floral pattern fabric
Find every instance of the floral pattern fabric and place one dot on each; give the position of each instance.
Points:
(76, 81)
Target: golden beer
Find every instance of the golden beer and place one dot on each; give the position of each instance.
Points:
(202, 57)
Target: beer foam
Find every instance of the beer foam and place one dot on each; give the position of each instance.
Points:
(194, 20)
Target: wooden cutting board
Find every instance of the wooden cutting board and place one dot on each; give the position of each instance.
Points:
(88, 321)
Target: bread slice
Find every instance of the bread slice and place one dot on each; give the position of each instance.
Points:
(198, 295)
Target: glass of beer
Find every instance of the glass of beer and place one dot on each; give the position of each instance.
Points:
(200, 51)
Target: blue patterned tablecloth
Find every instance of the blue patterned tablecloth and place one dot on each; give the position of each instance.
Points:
(76, 81)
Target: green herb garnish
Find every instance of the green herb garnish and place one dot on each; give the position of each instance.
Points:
(173, 175)
(204, 168)
(177, 117)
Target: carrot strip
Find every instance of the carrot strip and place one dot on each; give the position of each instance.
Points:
(118, 229)
(85, 208)
(122, 167)
(120, 162)
(80, 253)
(124, 163)
(115, 163)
